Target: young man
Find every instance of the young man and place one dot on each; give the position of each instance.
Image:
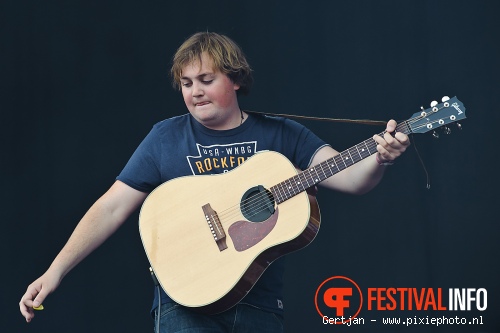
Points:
(214, 137)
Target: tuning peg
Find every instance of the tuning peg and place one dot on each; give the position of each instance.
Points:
(435, 135)
(434, 106)
(459, 126)
(445, 99)
(423, 113)
(446, 130)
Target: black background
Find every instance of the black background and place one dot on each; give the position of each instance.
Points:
(82, 82)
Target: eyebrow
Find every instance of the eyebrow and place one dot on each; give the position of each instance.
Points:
(200, 76)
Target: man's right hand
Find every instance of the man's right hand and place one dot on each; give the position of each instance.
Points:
(37, 292)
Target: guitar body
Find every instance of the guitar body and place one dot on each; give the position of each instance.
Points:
(195, 270)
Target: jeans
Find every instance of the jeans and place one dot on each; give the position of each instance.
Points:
(241, 318)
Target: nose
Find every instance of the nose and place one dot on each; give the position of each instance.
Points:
(197, 89)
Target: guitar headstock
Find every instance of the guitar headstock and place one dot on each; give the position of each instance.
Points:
(439, 114)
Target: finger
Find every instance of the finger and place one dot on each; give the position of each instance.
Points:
(381, 147)
(379, 139)
(390, 140)
(398, 142)
(391, 126)
(40, 297)
(387, 144)
(389, 148)
(34, 296)
(403, 138)
(384, 154)
(26, 308)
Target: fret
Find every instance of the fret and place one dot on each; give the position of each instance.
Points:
(325, 176)
(339, 162)
(286, 193)
(299, 187)
(333, 164)
(326, 164)
(308, 178)
(316, 179)
(354, 156)
(367, 149)
(304, 181)
(346, 159)
(278, 196)
(359, 153)
(350, 156)
(289, 188)
(364, 150)
(332, 168)
(373, 149)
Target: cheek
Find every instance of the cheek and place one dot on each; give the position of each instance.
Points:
(186, 97)
(226, 96)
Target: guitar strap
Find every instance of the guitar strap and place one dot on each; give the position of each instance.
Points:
(355, 121)
(337, 120)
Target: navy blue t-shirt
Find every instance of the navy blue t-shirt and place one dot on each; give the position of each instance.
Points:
(180, 146)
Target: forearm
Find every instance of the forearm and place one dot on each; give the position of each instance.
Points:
(94, 228)
(98, 224)
(358, 178)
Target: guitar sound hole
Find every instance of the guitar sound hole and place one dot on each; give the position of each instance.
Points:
(257, 204)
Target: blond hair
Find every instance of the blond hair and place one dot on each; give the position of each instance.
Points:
(226, 55)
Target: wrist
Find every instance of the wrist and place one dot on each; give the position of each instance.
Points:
(382, 162)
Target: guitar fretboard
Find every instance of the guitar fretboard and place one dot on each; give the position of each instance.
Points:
(316, 174)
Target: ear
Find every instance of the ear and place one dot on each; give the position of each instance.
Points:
(236, 86)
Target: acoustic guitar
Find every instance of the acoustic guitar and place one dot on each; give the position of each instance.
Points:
(209, 238)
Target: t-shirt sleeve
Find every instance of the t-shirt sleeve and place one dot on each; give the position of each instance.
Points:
(301, 144)
(142, 171)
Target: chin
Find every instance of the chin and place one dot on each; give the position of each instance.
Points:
(207, 119)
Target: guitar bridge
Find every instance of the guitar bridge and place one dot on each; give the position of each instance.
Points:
(215, 226)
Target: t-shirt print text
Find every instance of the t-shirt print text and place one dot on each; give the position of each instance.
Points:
(220, 158)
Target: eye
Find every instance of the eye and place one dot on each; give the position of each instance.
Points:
(186, 84)
(207, 81)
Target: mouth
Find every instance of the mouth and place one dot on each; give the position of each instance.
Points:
(201, 103)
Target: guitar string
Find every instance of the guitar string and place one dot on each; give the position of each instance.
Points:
(259, 201)
(283, 188)
(255, 203)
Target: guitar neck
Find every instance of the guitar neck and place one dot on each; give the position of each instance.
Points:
(316, 174)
